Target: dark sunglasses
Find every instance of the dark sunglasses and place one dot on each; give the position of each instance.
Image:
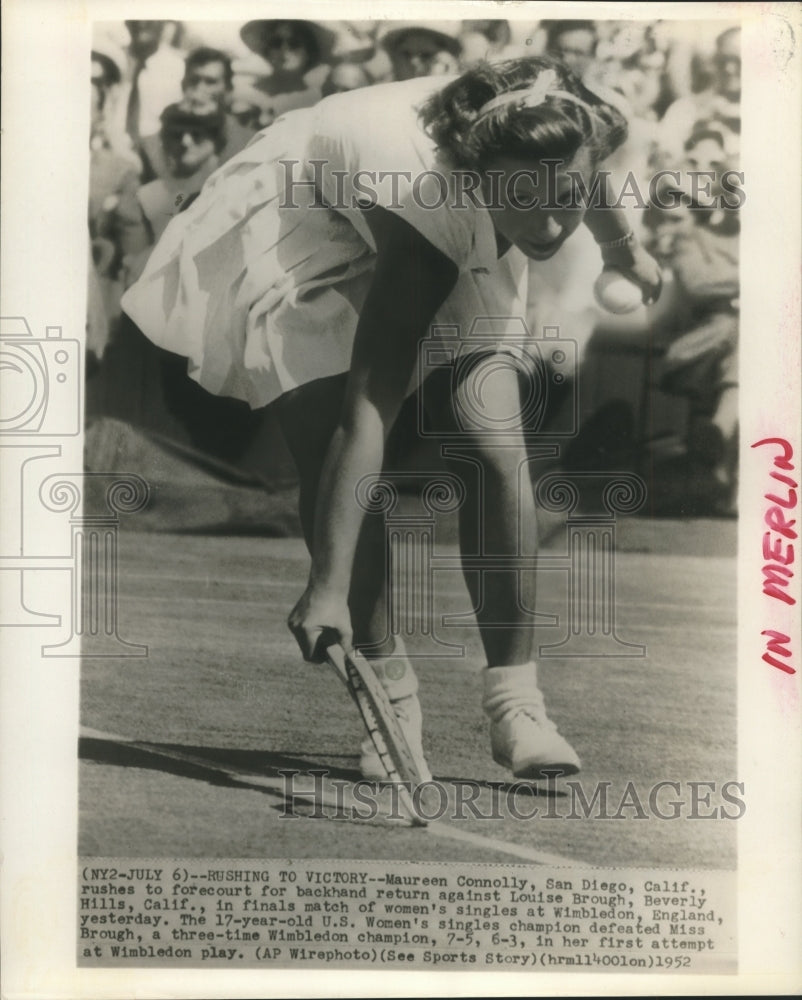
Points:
(197, 135)
(279, 41)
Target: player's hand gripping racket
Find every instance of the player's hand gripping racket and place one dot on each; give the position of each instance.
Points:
(381, 723)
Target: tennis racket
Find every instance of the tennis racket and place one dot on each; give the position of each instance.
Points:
(381, 723)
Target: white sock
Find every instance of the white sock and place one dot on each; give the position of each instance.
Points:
(507, 689)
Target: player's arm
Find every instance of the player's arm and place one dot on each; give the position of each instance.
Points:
(411, 280)
(612, 226)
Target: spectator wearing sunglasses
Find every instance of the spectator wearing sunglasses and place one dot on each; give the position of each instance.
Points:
(207, 87)
(191, 145)
(297, 53)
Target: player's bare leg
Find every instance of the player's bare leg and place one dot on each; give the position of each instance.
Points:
(500, 519)
(308, 416)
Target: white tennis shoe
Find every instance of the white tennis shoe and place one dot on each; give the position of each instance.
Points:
(522, 736)
(399, 681)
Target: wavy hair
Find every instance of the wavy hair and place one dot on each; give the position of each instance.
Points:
(556, 128)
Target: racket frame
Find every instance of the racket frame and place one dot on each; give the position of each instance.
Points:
(381, 724)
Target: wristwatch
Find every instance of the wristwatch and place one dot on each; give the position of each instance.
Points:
(622, 241)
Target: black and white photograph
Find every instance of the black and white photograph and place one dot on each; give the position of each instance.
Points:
(400, 495)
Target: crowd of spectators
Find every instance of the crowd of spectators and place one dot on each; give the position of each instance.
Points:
(171, 101)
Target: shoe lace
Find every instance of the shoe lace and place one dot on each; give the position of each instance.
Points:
(534, 708)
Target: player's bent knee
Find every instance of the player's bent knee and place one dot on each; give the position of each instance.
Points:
(501, 457)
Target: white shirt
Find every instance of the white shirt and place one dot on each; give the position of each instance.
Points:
(159, 84)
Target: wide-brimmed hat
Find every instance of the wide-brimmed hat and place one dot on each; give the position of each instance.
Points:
(256, 33)
(445, 32)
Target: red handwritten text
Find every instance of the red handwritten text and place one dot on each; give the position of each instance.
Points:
(778, 550)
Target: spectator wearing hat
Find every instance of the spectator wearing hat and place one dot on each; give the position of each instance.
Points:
(207, 87)
(422, 49)
(297, 53)
(192, 143)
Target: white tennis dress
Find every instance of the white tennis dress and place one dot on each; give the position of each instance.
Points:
(261, 290)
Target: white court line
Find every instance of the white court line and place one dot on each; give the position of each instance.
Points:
(437, 829)
(442, 830)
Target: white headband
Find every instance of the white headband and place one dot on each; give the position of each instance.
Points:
(533, 96)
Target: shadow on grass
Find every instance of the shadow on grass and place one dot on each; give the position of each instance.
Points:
(269, 772)
(254, 770)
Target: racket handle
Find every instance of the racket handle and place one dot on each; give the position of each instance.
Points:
(335, 654)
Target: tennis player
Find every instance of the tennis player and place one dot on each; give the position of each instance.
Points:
(304, 277)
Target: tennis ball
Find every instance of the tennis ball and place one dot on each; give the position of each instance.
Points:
(616, 293)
